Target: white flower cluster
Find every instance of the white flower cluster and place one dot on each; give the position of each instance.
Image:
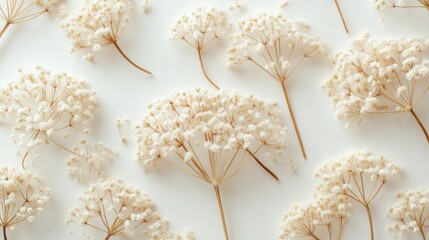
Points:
(201, 27)
(379, 4)
(117, 210)
(270, 41)
(22, 196)
(183, 125)
(323, 214)
(410, 213)
(379, 76)
(88, 159)
(91, 27)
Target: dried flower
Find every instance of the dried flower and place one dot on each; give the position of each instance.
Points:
(22, 197)
(236, 7)
(359, 176)
(379, 4)
(19, 11)
(100, 23)
(117, 210)
(123, 133)
(410, 213)
(324, 213)
(374, 76)
(210, 135)
(276, 45)
(199, 29)
(145, 6)
(43, 106)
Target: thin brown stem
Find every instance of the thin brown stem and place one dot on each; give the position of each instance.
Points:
(4, 233)
(341, 15)
(293, 119)
(200, 58)
(108, 237)
(423, 234)
(371, 225)
(314, 236)
(129, 60)
(6, 26)
(222, 215)
(420, 124)
(262, 165)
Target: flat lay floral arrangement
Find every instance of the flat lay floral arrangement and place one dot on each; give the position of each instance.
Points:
(227, 119)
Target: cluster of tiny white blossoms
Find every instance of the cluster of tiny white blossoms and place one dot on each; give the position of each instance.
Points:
(22, 196)
(271, 41)
(42, 107)
(90, 27)
(379, 4)
(410, 213)
(115, 209)
(379, 76)
(199, 29)
(226, 124)
(359, 176)
(325, 214)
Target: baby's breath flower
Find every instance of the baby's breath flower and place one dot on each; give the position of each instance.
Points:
(19, 11)
(100, 23)
(118, 210)
(374, 76)
(199, 29)
(410, 213)
(276, 45)
(359, 176)
(22, 196)
(210, 135)
(379, 4)
(123, 127)
(43, 106)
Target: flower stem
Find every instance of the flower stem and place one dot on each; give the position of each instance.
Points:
(262, 165)
(6, 26)
(4, 233)
(341, 15)
(420, 124)
(423, 234)
(107, 237)
(129, 60)
(368, 212)
(222, 215)
(200, 57)
(293, 120)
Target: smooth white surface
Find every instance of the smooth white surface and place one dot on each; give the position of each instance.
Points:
(253, 202)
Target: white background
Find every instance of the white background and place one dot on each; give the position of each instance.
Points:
(253, 202)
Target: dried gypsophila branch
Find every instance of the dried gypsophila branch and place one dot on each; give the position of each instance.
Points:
(19, 11)
(379, 4)
(374, 76)
(100, 23)
(115, 209)
(410, 213)
(123, 133)
(199, 29)
(210, 135)
(271, 41)
(325, 214)
(359, 176)
(236, 7)
(22, 197)
(43, 106)
(340, 12)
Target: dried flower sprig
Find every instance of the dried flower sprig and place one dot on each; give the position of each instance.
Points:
(42, 106)
(100, 23)
(374, 76)
(19, 11)
(359, 176)
(123, 133)
(115, 209)
(379, 4)
(410, 213)
(311, 220)
(199, 29)
(210, 135)
(337, 5)
(22, 197)
(278, 46)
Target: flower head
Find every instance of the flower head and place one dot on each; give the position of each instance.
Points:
(22, 196)
(119, 210)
